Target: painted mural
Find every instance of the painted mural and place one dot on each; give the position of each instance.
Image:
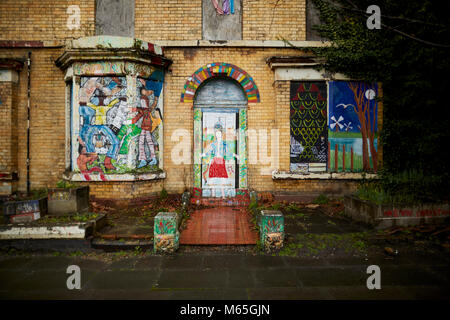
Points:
(116, 136)
(198, 116)
(148, 119)
(308, 126)
(220, 139)
(223, 6)
(220, 69)
(353, 127)
(219, 154)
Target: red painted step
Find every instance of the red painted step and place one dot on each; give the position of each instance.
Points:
(219, 226)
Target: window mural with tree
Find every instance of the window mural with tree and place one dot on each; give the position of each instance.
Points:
(353, 126)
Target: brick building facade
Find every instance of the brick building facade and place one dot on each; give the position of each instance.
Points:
(88, 75)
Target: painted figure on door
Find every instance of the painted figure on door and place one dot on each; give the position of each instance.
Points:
(149, 95)
(218, 151)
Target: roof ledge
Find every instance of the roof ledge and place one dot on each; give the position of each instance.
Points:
(112, 48)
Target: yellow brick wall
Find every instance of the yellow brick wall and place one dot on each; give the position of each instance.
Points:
(124, 190)
(8, 134)
(47, 118)
(182, 19)
(274, 20)
(154, 19)
(6, 128)
(44, 19)
(282, 89)
(168, 20)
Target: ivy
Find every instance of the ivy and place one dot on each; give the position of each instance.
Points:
(410, 56)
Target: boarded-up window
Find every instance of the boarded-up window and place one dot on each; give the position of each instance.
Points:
(312, 20)
(222, 20)
(308, 119)
(114, 18)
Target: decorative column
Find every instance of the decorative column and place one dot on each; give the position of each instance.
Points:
(165, 233)
(271, 228)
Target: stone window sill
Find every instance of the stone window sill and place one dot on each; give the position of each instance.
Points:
(286, 175)
(78, 177)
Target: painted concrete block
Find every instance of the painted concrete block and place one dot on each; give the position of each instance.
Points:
(63, 201)
(24, 217)
(271, 226)
(165, 234)
(24, 211)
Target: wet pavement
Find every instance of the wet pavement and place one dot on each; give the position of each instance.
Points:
(210, 275)
(325, 256)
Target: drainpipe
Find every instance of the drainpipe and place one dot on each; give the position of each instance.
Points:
(28, 119)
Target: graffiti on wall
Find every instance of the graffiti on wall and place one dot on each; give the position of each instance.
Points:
(222, 20)
(308, 126)
(223, 6)
(116, 136)
(353, 126)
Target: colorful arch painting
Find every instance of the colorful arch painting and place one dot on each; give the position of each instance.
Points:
(219, 70)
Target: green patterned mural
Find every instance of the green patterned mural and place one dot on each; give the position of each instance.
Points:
(308, 119)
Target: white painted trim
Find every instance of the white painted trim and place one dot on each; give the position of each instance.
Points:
(117, 177)
(77, 231)
(241, 43)
(305, 74)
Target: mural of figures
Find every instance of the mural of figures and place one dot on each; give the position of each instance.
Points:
(353, 127)
(97, 97)
(148, 118)
(115, 137)
(219, 153)
(308, 118)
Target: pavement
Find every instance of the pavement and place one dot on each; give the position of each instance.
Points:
(325, 257)
(217, 275)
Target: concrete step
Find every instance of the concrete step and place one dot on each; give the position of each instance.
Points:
(121, 244)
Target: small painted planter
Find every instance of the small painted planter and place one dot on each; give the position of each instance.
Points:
(63, 201)
(25, 210)
(271, 226)
(165, 234)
